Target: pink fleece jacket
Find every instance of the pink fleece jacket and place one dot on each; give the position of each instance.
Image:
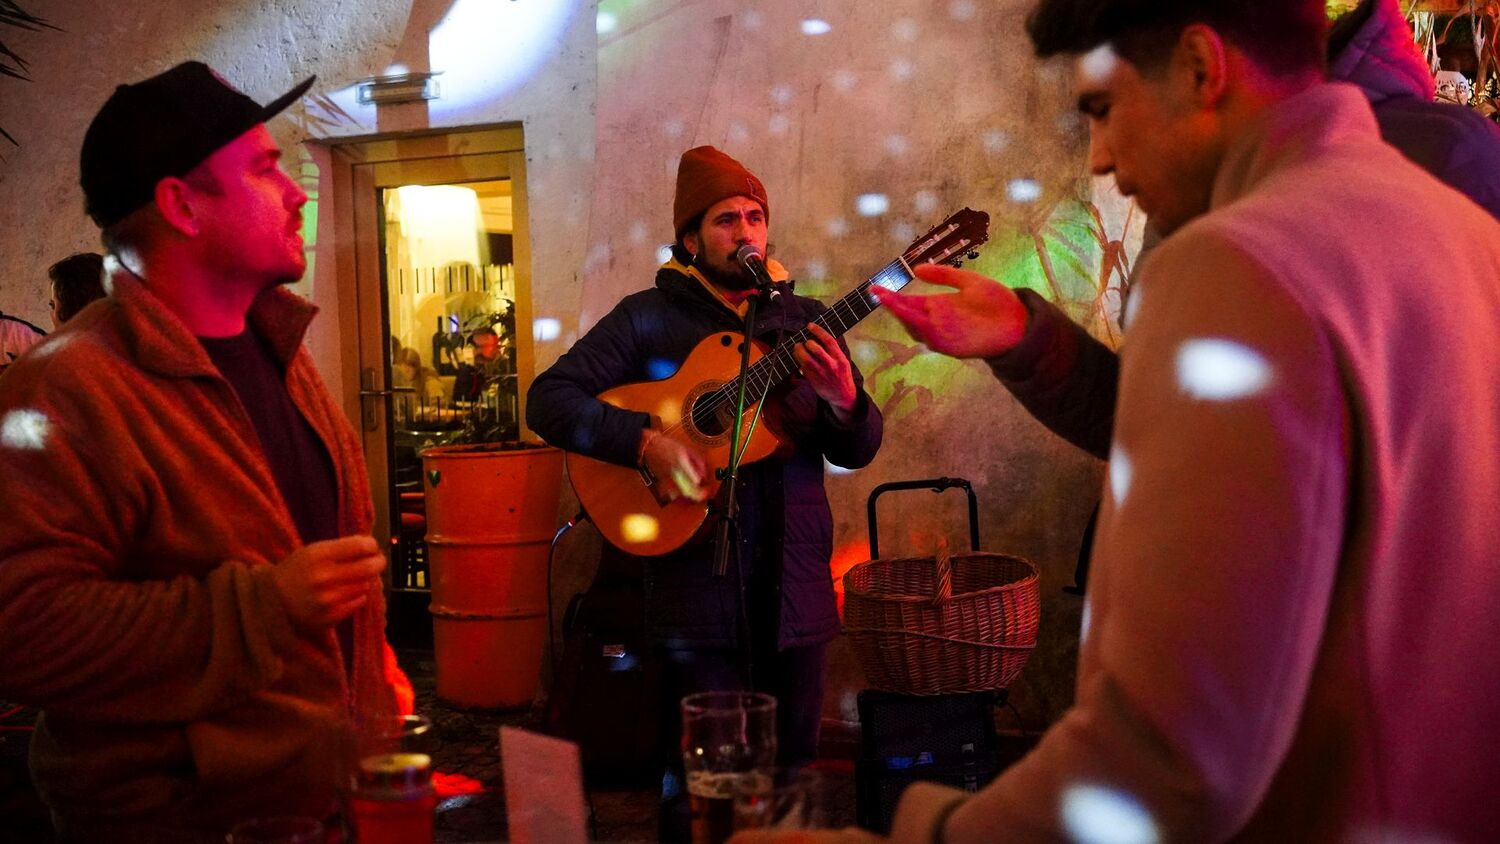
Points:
(1290, 625)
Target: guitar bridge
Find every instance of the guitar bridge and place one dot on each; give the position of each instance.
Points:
(650, 481)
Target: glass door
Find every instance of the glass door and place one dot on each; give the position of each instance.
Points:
(442, 282)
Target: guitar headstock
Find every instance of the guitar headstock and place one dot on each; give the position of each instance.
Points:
(952, 241)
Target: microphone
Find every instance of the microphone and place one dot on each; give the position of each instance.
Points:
(754, 263)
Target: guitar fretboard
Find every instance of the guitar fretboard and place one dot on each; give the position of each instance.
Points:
(948, 242)
(839, 318)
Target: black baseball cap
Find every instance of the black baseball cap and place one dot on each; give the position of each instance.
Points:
(160, 127)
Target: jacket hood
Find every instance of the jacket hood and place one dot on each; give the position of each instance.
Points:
(1381, 57)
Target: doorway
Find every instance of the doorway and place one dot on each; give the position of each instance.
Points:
(434, 229)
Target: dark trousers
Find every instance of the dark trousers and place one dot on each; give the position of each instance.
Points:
(793, 676)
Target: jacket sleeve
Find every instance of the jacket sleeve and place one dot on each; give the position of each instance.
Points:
(1062, 376)
(1218, 548)
(79, 639)
(561, 405)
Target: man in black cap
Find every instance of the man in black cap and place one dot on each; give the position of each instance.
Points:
(188, 585)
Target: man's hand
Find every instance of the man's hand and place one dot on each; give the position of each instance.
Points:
(827, 370)
(323, 583)
(679, 470)
(982, 320)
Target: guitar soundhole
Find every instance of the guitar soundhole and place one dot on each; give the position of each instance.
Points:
(712, 414)
(708, 413)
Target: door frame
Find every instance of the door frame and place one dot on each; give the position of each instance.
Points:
(360, 167)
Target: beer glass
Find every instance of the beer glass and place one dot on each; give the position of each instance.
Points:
(728, 739)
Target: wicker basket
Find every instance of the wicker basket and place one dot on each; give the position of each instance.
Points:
(942, 625)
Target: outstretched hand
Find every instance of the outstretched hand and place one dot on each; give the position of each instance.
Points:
(983, 319)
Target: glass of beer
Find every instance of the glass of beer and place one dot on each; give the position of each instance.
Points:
(728, 739)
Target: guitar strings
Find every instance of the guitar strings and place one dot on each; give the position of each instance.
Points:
(779, 361)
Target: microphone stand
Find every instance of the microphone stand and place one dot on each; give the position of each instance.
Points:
(724, 542)
(730, 475)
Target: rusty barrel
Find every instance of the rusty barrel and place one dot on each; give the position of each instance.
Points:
(491, 515)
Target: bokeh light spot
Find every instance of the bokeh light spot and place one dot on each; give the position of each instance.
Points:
(1221, 370)
(1120, 475)
(1098, 64)
(1024, 191)
(639, 527)
(25, 429)
(1094, 814)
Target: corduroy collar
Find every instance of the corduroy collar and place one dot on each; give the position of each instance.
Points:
(161, 343)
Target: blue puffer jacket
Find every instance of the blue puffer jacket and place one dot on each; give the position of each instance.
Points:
(785, 523)
(1373, 49)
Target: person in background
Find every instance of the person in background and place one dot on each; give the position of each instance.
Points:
(16, 336)
(423, 402)
(1287, 634)
(76, 281)
(485, 363)
(1372, 47)
(189, 589)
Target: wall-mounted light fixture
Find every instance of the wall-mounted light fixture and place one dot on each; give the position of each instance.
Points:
(399, 88)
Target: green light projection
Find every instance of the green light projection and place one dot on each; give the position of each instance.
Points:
(1069, 258)
(308, 175)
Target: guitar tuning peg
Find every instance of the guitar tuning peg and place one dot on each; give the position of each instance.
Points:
(973, 255)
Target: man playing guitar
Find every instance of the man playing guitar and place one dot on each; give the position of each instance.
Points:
(776, 601)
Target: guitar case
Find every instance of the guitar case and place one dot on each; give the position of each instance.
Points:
(606, 697)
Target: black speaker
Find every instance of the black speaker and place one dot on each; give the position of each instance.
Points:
(878, 789)
(606, 697)
(947, 739)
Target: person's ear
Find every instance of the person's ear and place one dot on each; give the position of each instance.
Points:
(690, 243)
(1202, 63)
(174, 201)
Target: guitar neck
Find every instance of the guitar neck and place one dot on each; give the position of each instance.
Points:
(947, 243)
(857, 304)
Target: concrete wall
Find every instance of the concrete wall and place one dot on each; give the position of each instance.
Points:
(868, 125)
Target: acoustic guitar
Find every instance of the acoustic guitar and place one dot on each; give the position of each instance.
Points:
(696, 405)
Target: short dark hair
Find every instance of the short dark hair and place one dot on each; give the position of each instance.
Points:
(76, 281)
(1285, 37)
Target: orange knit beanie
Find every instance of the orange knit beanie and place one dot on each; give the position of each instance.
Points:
(706, 176)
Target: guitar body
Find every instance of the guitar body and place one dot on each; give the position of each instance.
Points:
(632, 515)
